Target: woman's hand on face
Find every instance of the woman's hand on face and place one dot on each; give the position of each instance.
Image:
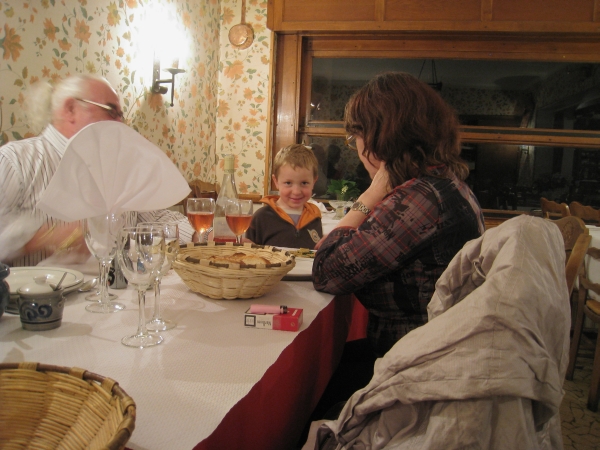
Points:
(379, 188)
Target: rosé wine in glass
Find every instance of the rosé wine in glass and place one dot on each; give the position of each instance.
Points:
(201, 212)
(238, 214)
(238, 223)
(201, 221)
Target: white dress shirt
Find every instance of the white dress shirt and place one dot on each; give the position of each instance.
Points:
(26, 167)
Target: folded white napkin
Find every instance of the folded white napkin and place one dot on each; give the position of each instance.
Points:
(320, 205)
(110, 168)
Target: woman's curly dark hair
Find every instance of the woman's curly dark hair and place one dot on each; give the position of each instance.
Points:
(407, 125)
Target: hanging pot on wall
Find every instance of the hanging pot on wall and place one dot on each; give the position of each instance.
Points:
(242, 34)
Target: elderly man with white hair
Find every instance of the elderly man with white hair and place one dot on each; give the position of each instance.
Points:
(28, 235)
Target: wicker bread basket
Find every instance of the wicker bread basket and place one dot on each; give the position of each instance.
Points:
(231, 281)
(43, 406)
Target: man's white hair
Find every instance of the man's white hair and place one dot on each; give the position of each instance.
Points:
(45, 100)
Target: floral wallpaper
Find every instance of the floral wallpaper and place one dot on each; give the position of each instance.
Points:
(244, 96)
(221, 102)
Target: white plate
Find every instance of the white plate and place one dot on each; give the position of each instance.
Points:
(302, 271)
(20, 276)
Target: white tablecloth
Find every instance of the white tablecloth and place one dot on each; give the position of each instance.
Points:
(328, 222)
(185, 386)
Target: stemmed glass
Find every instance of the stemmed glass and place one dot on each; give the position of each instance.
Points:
(200, 213)
(141, 254)
(238, 214)
(101, 234)
(171, 232)
(96, 296)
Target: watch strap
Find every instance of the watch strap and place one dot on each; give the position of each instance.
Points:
(360, 206)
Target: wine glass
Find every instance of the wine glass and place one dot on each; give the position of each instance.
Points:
(171, 232)
(141, 254)
(96, 296)
(238, 214)
(101, 233)
(200, 213)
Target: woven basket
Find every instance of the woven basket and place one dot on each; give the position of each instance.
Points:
(231, 281)
(43, 406)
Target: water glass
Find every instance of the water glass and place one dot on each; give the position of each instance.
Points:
(101, 233)
(141, 254)
(171, 232)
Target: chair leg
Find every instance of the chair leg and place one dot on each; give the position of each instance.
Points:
(595, 382)
(577, 330)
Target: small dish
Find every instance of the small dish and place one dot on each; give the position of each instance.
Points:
(21, 276)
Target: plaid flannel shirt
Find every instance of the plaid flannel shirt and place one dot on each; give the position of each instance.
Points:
(393, 260)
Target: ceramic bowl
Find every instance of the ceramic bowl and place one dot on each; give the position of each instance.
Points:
(40, 307)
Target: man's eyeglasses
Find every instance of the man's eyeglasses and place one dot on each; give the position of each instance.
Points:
(351, 141)
(113, 111)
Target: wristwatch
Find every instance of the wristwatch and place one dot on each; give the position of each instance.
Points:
(360, 206)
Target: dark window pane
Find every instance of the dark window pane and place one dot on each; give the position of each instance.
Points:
(502, 175)
(516, 176)
(336, 162)
(484, 93)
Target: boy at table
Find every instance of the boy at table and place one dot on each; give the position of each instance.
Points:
(288, 219)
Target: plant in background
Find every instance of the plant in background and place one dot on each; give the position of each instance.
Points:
(343, 189)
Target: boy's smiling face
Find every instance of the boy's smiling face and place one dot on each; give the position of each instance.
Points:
(295, 186)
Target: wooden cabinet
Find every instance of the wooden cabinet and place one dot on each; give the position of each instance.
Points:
(540, 16)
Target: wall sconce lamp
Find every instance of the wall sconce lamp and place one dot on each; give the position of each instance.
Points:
(156, 81)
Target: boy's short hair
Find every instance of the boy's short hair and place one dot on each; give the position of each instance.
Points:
(296, 155)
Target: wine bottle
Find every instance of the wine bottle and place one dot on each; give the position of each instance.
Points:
(222, 232)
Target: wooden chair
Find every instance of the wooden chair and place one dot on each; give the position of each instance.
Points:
(577, 240)
(202, 188)
(553, 210)
(586, 213)
(494, 217)
(590, 308)
(199, 189)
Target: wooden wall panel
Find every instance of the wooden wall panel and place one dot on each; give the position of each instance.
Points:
(576, 17)
(329, 10)
(515, 47)
(287, 91)
(418, 10)
(543, 10)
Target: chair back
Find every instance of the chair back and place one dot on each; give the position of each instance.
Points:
(494, 217)
(586, 307)
(586, 213)
(577, 239)
(198, 189)
(202, 189)
(553, 210)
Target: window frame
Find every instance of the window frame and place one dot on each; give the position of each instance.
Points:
(293, 75)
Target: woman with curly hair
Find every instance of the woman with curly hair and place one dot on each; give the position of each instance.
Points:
(398, 238)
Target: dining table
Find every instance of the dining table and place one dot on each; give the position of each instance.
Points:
(213, 383)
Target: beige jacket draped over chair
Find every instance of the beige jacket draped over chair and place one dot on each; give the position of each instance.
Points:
(487, 370)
